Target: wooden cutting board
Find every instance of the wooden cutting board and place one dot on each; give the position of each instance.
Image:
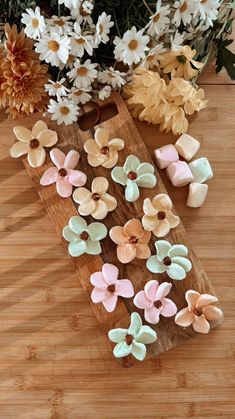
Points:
(60, 210)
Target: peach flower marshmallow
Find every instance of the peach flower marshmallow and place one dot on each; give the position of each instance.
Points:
(101, 151)
(33, 142)
(96, 202)
(132, 241)
(200, 309)
(158, 217)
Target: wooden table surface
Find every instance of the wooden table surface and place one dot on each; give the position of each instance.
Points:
(51, 349)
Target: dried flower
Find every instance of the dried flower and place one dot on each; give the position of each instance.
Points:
(179, 63)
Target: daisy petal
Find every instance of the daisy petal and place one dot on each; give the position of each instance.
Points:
(163, 290)
(116, 143)
(142, 251)
(93, 247)
(155, 265)
(77, 249)
(110, 273)
(146, 180)
(200, 324)
(77, 224)
(98, 281)
(22, 134)
(19, 149)
(37, 128)
(212, 313)
(117, 235)
(36, 157)
(117, 335)
(175, 271)
(144, 168)
(119, 176)
(191, 297)
(50, 176)
(151, 289)
(138, 350)
(162, 248)
(110, 201)
(126, 253)
(131, 164)
(100, 210)
(162, 229)
(110, 303)
(102, 137)
(184, 317)
(141, 300)
(122, 349)
(47, 138)
(169, 308)
(64, 188)
(206, 299)
(77, 178)
(152, 315)
(58, 157)
(132, 192)
(162, 202)
(178, 250)
(99, 185)
(184, 262)
(146, 335)
(125, 288)
(97, 231)
(71, 160)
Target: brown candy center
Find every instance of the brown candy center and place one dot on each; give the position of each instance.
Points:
(95, 196)
(161, 215)
(34, 143)
(84, 236)
(111, 288)
(129, 339)
(167, 261)
(133, 240)
(132, 175)
(62, 172)
(157, 304)
(197, 312)
(104, 150)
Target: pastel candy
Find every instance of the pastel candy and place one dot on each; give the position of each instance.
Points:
(166, 155)
(197, 194)
(201, 170)
(179, 173)
(187, 146)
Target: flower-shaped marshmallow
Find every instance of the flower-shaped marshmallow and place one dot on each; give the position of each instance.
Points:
(33, 142)
(133, 175)
(101, 151)
(84, 238)
(63, 173)
(200, 309)
(158, 217)
(108, 287)
(96, 202)
(132, 340)
(170, 259)
(132, 241)
(154, 302)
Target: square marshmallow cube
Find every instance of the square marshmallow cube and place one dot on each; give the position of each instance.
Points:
(201, 170)
(166, 155)
(187, 146)
(179, 173)
(197, 194)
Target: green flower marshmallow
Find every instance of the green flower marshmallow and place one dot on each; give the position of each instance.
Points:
(84, 238)
(133, 175)
(132, 340)
(170, 259)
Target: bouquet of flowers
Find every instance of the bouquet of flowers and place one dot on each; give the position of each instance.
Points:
(152, 51)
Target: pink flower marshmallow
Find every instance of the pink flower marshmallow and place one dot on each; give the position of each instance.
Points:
(107, 287)
(154, 302)
(63, 173)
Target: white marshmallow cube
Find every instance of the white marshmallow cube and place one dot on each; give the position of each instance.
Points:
(187, 146)
(201, 170)
(197, 194)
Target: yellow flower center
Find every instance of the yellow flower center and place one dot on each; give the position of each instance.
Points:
(110, 75)
(156, 18)
(83, 12)
(82, 71)
(53, 46)
(183, 7)
(80, 41)
(64, 110)
(133, 44)
(59, 22)
(57, 85)
(35, 23)
(70, 59)
(101, 28)
(181, 58)
(203, 1)
(78, 92)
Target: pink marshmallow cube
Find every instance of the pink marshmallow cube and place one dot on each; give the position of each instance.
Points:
(179, 173)
(166, 155)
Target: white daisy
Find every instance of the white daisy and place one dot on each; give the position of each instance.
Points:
(71, 3)
(80, 95)
(81, 42)
(105, 92)
(34, 23)
(63, 111)
(159, 21)
(82, 13)
(207, 10)
(61, 24)
(56, 88)
(53, 48)
(131, 48)
(103, 26)
(113, 77)
(83, 74)
(184, 12)
(177, 41)
(152, 58)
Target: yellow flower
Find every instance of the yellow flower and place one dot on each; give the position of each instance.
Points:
(179, 63)
(102, 151)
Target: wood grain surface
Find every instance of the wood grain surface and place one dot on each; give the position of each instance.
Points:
(54, 359)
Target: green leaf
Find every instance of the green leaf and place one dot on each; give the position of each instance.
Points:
(225, 58)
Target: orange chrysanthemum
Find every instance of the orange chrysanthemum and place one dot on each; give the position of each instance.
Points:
(22, 77)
